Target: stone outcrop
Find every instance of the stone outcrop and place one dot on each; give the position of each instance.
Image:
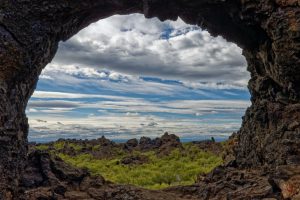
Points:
(135, 160)
(163, 145)
(268, 31)
(211, 146)
(104, 148)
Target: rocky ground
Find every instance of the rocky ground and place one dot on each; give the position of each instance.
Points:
(49, 177)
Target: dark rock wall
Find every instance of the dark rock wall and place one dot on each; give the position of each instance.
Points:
(271, 127)
(267, 30)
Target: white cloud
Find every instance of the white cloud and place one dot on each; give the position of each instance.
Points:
(67, 95)
(135, 45)
(132, 114)
(43, 76)
(114, 76)
(113, 82)
(32, 110)
(136, 105)
(126, 127)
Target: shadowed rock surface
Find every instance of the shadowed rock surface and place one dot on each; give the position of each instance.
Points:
(268, 31)
(48, 177)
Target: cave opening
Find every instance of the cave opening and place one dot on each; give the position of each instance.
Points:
(268, 33)
(128, 77)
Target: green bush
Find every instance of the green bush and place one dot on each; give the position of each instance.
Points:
(59, 145)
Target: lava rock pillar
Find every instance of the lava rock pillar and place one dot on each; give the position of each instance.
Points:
(15, 90)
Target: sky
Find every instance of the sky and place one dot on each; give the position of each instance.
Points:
(126, 77)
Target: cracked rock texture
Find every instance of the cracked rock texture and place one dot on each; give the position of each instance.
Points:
(47, 177)
(267, 30)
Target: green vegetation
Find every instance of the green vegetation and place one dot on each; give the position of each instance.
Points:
(180, 167)
(42, 147)
(59, 145)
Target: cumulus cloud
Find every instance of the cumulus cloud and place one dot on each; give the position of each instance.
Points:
(147, 47)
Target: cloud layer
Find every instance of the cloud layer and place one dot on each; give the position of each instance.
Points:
(127, 76)
(57, 114)
(147, 47)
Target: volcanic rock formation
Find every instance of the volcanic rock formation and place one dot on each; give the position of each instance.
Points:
(267, 30)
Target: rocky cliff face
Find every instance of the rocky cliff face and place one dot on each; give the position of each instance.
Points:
(268, 31)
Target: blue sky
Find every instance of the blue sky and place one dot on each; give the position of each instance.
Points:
(127, 76)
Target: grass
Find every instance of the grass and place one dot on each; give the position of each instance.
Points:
(42, 147)
(181, 167)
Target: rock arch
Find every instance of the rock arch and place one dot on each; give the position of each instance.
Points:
(268, 31)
